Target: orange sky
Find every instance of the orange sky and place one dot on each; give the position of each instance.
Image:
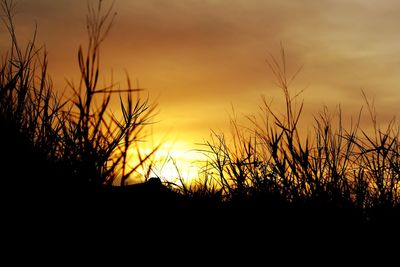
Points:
(197, 57)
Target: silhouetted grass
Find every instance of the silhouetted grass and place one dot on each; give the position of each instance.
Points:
(342, 173)
(57, 142)
(51, 143)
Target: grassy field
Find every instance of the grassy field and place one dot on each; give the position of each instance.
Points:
(72, 152)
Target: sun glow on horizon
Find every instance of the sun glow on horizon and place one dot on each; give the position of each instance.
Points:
(173, 162)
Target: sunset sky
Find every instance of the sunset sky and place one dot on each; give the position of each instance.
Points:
(197, 58)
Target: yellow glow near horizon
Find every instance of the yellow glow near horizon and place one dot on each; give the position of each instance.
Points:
(172, 162)
(179, 160)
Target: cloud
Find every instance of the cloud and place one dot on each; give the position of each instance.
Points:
(213, 51)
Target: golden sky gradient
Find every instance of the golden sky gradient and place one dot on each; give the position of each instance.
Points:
(199, 57)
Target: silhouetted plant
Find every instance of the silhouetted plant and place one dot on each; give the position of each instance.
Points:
(333, 167)
(29, 108)
(89, 142)
(96, 140)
